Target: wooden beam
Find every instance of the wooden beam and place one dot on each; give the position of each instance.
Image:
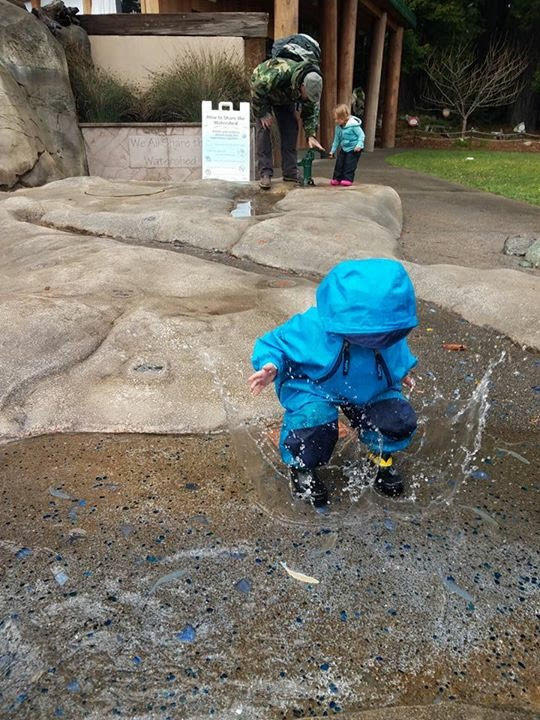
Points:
(285, 18)
(347, 49)
(395, 47)
(87, 7)
(329, 70)
(234, 24)
(374, 9)
(254, 52)
(374, 82)
(377, 11)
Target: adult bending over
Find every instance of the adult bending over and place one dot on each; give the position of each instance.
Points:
(278, 87)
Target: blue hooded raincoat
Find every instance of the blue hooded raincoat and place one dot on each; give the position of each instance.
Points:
(349, 351)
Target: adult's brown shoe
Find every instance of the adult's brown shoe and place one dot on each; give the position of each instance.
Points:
(265, 182)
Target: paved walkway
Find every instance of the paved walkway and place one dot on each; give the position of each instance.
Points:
(445, 222)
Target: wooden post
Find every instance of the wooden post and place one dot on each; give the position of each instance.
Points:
(35, 4)
(347, 48)
(285, 18)
(329, 70)
(87, 7)
(151, 6)
(374, 83)
(391, 98)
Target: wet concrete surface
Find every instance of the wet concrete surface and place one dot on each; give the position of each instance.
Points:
(444, 222)
(141, 578)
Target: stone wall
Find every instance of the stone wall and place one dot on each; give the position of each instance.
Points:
(149, 151)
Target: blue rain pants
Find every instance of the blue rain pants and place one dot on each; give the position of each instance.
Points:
(310, 432)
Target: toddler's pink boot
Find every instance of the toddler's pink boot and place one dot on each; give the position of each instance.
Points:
(346, 183)
(334, 182)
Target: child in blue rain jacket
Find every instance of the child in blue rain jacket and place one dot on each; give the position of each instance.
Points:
(348, 352)
(348, 143)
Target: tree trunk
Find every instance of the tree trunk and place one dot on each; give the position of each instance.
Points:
(464, 125)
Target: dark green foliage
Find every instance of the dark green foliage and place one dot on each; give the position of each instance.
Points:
(176, 92)
(174, 95)
(440, 23)
(100, 97)
(443, 24)
(131, 6)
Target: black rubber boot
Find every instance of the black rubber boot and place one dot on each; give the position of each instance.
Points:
(306, 484)
(388, 480)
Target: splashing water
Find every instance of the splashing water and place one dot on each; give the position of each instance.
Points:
(439, 460)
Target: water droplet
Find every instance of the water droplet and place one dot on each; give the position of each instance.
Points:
(60, 575)
(479, 475)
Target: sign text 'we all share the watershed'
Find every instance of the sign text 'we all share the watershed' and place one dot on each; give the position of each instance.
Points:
(155, 150)
(226, 142)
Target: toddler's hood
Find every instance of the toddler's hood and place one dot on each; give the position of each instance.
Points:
(366, 297)
(353, 120)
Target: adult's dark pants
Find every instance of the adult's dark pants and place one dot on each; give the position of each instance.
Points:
(288, 130)
(346, 163)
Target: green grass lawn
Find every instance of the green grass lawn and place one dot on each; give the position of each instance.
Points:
(512, 174)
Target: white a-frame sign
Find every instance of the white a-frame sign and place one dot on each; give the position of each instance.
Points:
(225, 142)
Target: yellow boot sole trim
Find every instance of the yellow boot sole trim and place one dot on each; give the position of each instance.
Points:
(380, 461)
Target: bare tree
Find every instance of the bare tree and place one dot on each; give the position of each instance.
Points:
(462, 82)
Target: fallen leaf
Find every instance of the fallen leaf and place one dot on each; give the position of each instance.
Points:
(273, 436)
(300, 576)
(344, 430)
(456, 347)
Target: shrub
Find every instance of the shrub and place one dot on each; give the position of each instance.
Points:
(101, 97)
(176, 92)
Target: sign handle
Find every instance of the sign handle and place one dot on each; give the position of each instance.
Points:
(225, 106)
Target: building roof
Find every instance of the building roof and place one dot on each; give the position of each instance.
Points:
(404, 10)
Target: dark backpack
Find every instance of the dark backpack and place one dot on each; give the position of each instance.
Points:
(297, 47)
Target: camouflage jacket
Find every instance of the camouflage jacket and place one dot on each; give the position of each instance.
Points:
(277, 82)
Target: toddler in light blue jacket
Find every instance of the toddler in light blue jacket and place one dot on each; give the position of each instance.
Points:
(348, 143)
(350, 352)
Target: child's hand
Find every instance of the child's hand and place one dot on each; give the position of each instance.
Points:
(332, 155)
(267, 121)
(409, 382)
(259, 380)
(358, 149)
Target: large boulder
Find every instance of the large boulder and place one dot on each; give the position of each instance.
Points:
(318, 227)
(102, 335)
(40, 139)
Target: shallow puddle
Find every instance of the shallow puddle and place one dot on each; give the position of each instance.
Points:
(142, 579)
(162, 577)
(258, 204)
